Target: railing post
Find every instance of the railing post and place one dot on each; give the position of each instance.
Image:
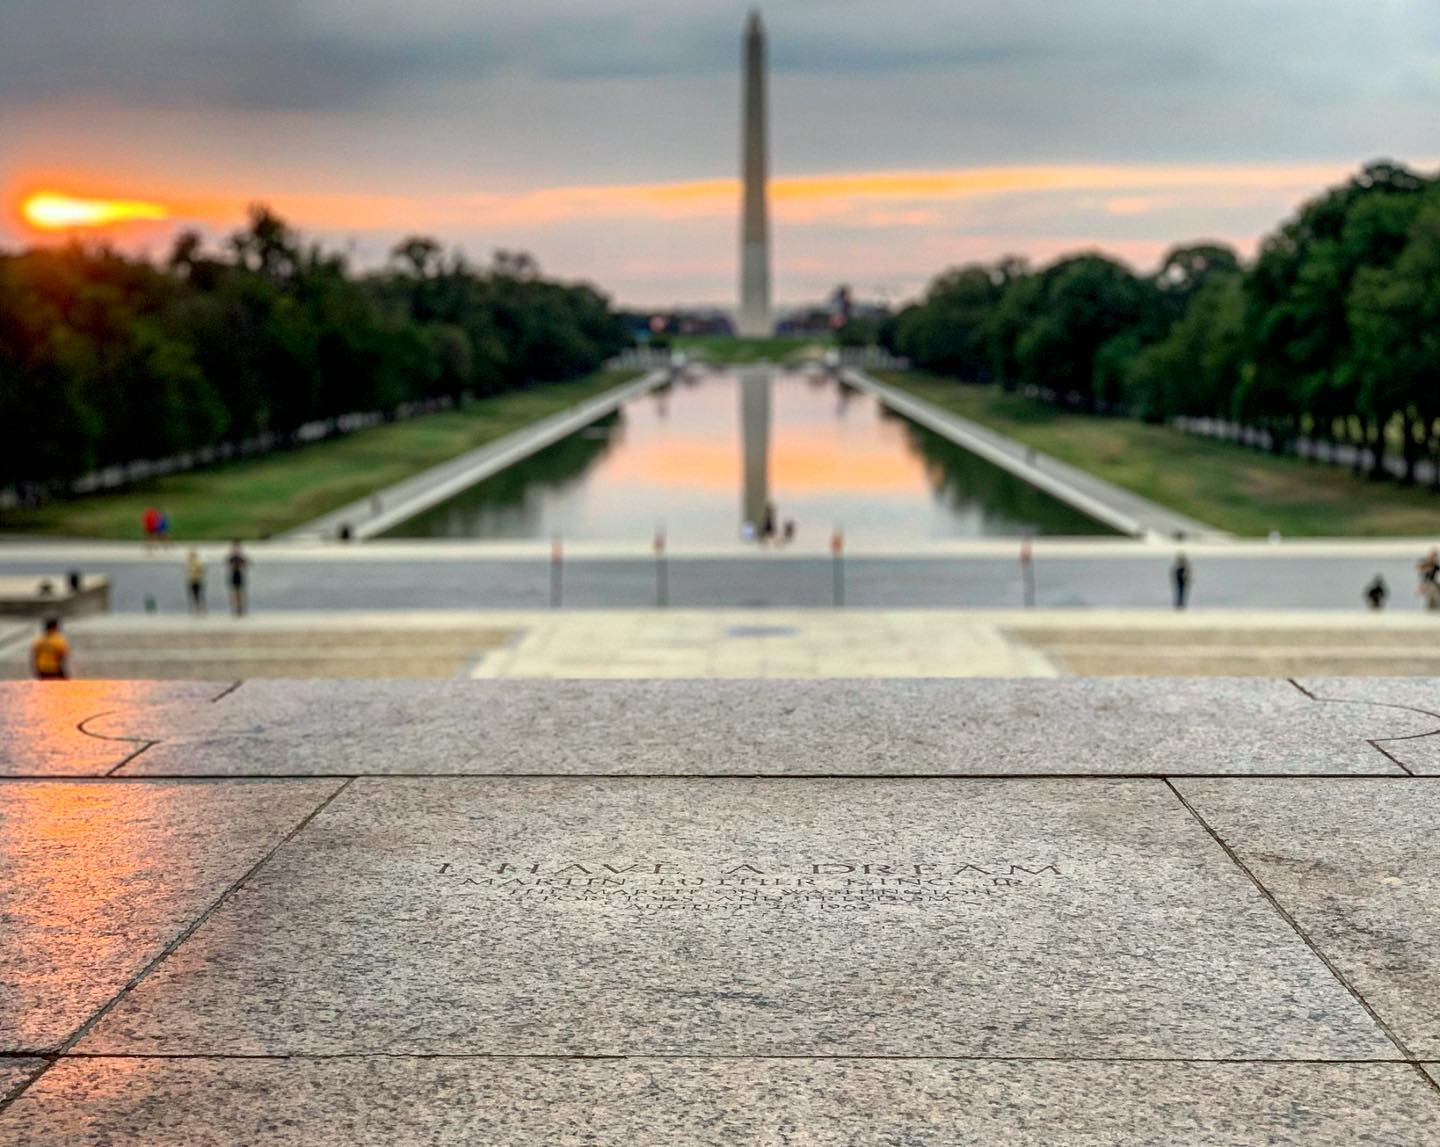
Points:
(557, 572)
(1027, 571)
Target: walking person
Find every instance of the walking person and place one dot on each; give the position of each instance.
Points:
(50, 653)
(1429, 569)
(239, 566)
(1181, 576)
(1377, 593)
(195, 581)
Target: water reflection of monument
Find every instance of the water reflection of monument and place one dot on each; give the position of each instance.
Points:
(755, 444)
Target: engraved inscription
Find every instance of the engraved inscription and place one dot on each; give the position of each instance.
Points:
(731, 886)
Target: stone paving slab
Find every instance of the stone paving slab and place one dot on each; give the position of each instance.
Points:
(40, 722)
(1355, 863)
(988, 727)
(1421, 693)
(1419, 754)
(710, 1103)
(738, 918)
(100, 877)
(13, 1073)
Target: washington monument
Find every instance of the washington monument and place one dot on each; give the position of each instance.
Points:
(755, 320)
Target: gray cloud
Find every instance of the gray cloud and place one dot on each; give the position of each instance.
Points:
(323, 54)
(419, 98)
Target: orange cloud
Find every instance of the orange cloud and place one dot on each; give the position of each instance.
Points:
(876, 200)
(859, 196)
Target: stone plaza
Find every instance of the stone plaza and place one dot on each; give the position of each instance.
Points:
(1127, 911)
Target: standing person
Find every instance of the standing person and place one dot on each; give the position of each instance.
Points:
(1377, 592)
(1429, 569)
(1181, 575)
(239, 564)
(150, 519)
(50, 653)
(195, 581)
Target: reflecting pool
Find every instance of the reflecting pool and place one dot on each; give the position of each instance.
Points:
(710, 454)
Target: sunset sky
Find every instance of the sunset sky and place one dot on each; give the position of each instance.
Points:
(603, 135)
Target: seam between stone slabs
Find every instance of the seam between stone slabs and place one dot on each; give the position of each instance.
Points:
(220, 696)
(140, 741)
(80, 728)
(1375, 744)
(15, 1092)
(215, 778)
(164, 954)
(1380, 704)
(206, 779)
(283, 1057)
(1299, 931)
(111, 772)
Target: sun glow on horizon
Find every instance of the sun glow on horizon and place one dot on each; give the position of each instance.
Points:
(54, 211)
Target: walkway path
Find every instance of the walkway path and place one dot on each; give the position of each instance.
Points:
(736, 643)
(441, 575)
(373, 515)
(1116, 507)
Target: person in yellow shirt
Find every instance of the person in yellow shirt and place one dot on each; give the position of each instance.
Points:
(50, 654)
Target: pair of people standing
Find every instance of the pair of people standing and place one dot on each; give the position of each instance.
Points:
(156, 524)
(237, 565)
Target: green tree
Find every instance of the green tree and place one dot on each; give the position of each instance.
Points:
(1083, 303)
(1197, 367)
(1394, 315)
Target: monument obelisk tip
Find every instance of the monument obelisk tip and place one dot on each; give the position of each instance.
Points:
(755, 320)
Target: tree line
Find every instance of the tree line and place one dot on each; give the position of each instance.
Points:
(106, 359)
(1332, 332)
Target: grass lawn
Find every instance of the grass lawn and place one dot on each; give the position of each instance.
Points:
(256, 496)
(724, 350)
(1235, 488)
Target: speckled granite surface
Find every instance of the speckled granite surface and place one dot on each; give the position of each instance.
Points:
(1081, 726)
(1418, 752)
(592, 944)
(589, 917)
(45, 726)
(14, 1072)
(99, 878)
(1356, 863)
(710, 1103)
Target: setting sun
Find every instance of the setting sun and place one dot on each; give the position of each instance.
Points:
(50, 211)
